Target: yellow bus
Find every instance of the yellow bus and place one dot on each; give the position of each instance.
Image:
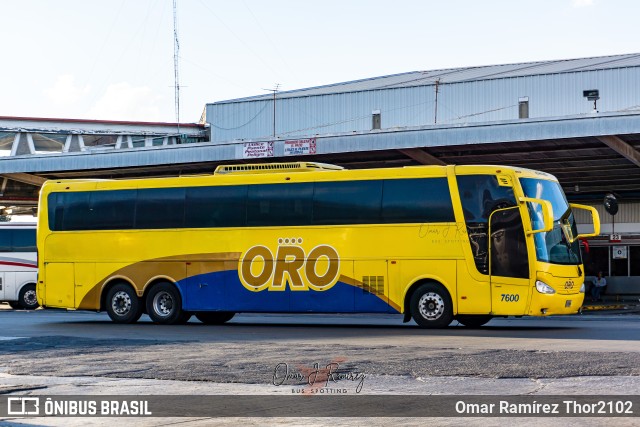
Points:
(435, 243)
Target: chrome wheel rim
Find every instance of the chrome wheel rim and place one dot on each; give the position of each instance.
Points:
(121, 303)
(431, 306)
(163, 304)
(30, 298)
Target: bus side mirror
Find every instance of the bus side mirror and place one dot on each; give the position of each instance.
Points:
(544, 215)
(595, 218)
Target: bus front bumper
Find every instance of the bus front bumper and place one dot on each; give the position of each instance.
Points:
(550, 304)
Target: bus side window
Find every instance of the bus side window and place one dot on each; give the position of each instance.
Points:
(23, 240)
(73, 211)
(416, 200)
(223, 206)
(6, 236)
(347, 202)
(160, 208)
(279, 204)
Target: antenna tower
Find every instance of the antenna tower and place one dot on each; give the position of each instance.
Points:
(176, 52)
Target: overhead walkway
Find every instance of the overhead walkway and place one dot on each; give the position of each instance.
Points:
(34, 139)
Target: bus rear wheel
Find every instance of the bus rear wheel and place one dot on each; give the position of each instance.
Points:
(27, 298)
(164, 305)
(431, 306)
(214, 317)
(123, 304)
(473, 321)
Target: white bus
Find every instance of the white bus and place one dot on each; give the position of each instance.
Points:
(18, 265)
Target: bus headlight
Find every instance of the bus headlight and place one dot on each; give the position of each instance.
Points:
(582, 288)
(543, 288)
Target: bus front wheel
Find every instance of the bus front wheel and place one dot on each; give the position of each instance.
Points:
(431, 306)
(164, 305)
(123, 304)
(473, 321)
(214, 317)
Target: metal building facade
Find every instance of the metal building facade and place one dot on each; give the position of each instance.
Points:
(464, 95)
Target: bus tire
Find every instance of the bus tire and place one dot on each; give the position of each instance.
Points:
(164, 304)
(122, 304)
(184, 318)
(27, 298)
(431, 306)
(473, 321)
(214, 317)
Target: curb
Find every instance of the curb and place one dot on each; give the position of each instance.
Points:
(605, 307)
(618, 308)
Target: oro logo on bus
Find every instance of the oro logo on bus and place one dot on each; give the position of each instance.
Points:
(261, 268)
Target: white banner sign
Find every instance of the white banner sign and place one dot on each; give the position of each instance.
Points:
(300, 147)
(252, 150)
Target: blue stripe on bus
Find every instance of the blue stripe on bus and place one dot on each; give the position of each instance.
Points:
(223, 291)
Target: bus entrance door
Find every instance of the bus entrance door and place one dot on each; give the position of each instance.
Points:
(508, 262)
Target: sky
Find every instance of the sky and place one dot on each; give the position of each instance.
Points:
(113, 59)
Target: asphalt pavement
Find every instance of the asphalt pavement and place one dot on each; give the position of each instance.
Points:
(57, 352)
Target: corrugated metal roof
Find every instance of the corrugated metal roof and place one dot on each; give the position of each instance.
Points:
(511, 132)
(457, 75)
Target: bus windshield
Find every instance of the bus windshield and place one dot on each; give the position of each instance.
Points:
(553, 246)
